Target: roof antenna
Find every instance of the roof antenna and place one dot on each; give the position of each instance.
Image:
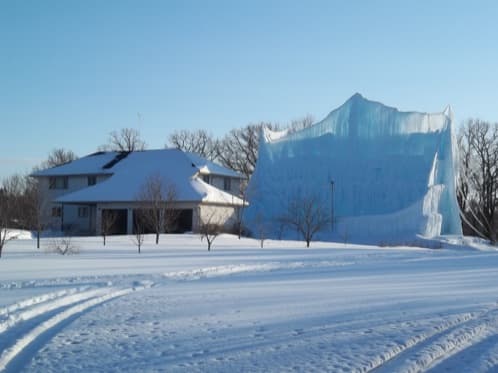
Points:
(139, 116)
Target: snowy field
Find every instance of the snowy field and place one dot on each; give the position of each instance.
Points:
(239, 308)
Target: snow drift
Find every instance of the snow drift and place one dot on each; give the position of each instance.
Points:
(384, 175)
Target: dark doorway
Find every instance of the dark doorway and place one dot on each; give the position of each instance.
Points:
(117, 219)
(184, 221)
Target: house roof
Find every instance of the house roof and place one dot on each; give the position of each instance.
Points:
(131, 170)
(92, 164)
(208, 167)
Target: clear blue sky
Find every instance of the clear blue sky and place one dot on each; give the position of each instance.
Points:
(72, 71)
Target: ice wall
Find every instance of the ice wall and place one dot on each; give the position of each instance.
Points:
(392, 173)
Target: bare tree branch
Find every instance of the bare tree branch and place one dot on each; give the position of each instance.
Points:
(199, 141)
(477, 190)
(125, 140)
(109, 218)
(210, 228)
(306, 213)
(157, 199)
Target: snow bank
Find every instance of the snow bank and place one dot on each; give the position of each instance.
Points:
(18, 234)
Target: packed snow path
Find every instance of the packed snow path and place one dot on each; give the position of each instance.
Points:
(35, 319)
(333, 307)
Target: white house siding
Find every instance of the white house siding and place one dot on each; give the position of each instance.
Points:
(217, 214)
(69, 215)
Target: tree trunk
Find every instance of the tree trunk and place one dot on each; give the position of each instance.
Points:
(104, 239)
(157, 238)
(38, 239)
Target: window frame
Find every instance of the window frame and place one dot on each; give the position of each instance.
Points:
(56, 212)
(58, 182)
(227, 184)
(82, 212)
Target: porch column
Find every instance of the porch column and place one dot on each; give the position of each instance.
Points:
(129, 222)
(62, 217)
(98, 221)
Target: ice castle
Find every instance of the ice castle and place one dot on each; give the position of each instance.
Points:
(383, 175)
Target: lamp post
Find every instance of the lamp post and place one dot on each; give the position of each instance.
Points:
(331, 205)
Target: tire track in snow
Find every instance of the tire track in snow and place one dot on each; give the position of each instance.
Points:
(29, 312)
(486, 350)
(422, 351)
(87, 300)
(38, 299)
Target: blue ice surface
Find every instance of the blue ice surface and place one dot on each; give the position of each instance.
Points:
(393, 174)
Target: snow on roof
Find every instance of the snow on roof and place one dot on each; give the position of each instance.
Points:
(207, 167)
(90, 165)
(173, 167)
(104, 163)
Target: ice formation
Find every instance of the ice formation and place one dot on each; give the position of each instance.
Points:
(384, 175)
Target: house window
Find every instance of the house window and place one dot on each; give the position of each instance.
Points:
(82, 212)
(205, 178)
(92, 180)
(58, 182)
(56, 212)
(227, 183)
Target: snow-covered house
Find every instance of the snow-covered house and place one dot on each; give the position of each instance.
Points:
(80, 192)
(382, 175)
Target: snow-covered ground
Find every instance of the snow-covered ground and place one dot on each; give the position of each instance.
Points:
(178, 307)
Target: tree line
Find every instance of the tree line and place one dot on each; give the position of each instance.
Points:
(477, 184)
(22, 205)
(238, 149)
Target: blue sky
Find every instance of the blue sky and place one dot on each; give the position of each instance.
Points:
(72, 71)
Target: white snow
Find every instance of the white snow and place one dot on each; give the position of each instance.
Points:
(90, 165)
(14, 234)
(173, 166)
(177, 307)
(208, 167)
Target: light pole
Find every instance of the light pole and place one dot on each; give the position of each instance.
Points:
(331, 205)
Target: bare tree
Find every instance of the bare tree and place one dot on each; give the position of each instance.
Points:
(210, 228)
(36, 208)
(5, 208)
(478, 184)
(239, 210)
(125, 140)
(9, 197)
(60, 156)
(17, 189)
(261, 227)
(109, 218)
(138, 228)
(156, 199)
(199, 141)
(238, 150)
(63, 246)
(301, 123)
(307, 214)
(57, 157)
